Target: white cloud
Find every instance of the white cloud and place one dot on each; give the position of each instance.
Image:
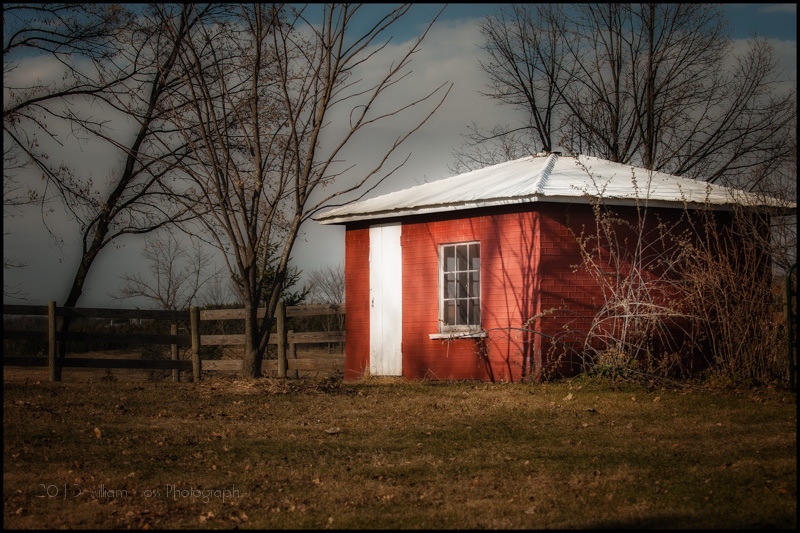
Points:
(33, 70)
(786, 52)
(449, 54)
(778, 8)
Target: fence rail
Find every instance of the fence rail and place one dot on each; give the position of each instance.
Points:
(286, 341)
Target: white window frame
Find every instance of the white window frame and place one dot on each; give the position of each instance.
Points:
(448, 329)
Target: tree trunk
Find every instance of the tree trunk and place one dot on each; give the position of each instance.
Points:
(251, 360)
(100, 226)
(77, 286)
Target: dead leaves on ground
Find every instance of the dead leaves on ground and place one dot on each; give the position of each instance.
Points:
(221, 385)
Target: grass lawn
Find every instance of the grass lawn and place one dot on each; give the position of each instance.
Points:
(272, 453)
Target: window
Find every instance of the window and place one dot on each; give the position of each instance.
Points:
(460, 287)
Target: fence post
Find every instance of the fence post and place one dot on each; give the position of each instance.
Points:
(194, 321)
(176, 374)
(52, 361)
(280, 315)
(293, 355)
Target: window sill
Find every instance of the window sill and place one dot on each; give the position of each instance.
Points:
(458, 335)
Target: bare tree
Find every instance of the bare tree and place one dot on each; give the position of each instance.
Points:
(654, 85)
(63, 31)
(659, 86)
(525, 57)
(264, 89)
(482, 148)
(118, 63)
(221, 291)
(176, 275)
(13, 200)
(326, 285)
(72, 34)
(110, 58)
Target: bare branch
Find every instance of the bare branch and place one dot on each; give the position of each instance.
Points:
(261, 91)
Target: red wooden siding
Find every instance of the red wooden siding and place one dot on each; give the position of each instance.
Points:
(568, 295)
(356, 302)
(424, 357)
(528, 260)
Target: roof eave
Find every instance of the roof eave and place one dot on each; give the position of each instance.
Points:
(585, 199)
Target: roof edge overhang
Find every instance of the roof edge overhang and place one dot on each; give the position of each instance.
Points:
(586, 199)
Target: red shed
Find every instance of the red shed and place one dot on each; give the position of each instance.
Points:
(450, 279)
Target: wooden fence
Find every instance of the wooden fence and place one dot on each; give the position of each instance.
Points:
(287, 362)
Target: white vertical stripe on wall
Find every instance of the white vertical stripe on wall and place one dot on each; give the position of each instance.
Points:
(386, 300)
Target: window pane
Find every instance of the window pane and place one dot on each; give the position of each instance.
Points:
(463, 312)
(450, 286)
(475, 312)
(449, 258)
(474, 284)
(460, 285)
(475, 256)
(462, 257)
(463, 284)
(449, 312)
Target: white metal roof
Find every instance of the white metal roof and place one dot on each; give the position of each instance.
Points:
(546, 178)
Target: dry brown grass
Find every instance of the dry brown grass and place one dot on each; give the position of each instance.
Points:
(392, 454)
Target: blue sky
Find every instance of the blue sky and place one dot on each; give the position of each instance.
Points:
(449, 54)
(774, 20)
(766, 20)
